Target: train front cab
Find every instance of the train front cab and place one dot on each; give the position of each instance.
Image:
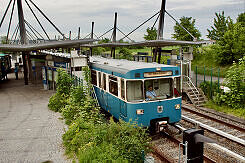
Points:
(126, 98)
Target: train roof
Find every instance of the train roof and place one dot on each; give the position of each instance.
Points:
(122, 65)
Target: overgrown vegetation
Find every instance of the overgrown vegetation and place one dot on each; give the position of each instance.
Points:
(226, 109)
(235, 81)
(90, 137)
(232, 100)
(206, 56)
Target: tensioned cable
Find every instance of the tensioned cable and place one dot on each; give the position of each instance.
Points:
(5, 13)
(96, 36)
(180, 25)
(31, 36)
(10, 21)
(141, 25)
(48, 19)
(111, 37)
(87, 36)
(124, 34)
(105, 33)
(32, 31)
(37, 19)
(17, 33)
(32, 28)
(14, 31)
(155, 21)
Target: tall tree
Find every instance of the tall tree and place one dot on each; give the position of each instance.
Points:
(151, 34)
(3, 39)
(231, 47)
(189, 24)
(221, 25)
(241, 19)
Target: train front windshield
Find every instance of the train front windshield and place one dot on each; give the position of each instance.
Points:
(153, 89)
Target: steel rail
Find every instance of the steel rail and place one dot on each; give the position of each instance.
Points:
(231, 153)
(175, 140)
(185, 107)
(225, 116)
(216, 131)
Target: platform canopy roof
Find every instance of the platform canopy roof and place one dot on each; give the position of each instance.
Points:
(162, 43)
(88, 43)
(46, 45)
(151, 43)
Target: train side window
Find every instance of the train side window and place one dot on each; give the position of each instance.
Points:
(122, 89)
(99, 77)
(113, 85)
(93, 77)
(134, 91)
(104, 81)
(177, 87)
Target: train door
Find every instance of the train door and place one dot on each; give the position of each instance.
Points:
(123, 106)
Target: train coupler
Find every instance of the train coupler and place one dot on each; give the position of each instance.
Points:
(161, 125)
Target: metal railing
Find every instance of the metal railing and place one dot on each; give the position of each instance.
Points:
(79, 82)
(187, 81)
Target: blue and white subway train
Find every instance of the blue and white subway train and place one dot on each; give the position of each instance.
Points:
(122, 88)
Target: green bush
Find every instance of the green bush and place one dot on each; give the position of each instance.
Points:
(89, 138)
(64, 85)
(57, 102)
(109, 141)
(208, 91)
(235, 81)
(125, 53)
(63, 82)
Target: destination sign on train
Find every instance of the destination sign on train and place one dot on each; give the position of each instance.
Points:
(157, 74)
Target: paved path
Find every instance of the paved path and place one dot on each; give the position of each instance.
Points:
(200, 78)
(29, 131)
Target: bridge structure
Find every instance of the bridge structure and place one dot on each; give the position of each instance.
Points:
(26, 38)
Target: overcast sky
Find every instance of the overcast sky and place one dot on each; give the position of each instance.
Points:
(68, 15)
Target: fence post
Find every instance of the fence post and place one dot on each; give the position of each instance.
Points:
(196, 76)
(211, 90)
(218, 79)
(204, 73)
(76, 81)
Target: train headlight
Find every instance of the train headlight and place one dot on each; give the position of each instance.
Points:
(177, 106)
(140, 111)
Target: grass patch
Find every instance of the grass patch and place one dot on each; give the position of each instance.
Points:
(215, 70)
(225, 109)
(206, 56)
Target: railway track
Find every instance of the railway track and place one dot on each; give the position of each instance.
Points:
(228, 132)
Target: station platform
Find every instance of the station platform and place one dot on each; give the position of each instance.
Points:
(29, 131)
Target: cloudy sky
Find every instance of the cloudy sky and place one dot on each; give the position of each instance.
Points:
(68, 15)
